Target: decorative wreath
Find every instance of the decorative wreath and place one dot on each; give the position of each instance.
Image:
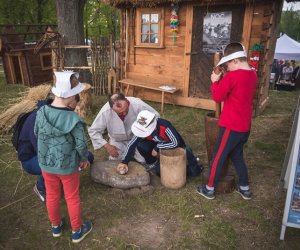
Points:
(174, 22)
(256, 50)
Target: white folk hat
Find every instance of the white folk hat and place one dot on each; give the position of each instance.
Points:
(145, 124)
(232, 56)
(62, 86)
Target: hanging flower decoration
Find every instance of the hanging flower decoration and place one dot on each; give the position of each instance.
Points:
(174, 22)
(256, 50)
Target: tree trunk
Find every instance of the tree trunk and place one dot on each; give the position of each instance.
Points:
(70, 26)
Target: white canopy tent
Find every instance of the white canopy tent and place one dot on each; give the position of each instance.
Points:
(287, 48)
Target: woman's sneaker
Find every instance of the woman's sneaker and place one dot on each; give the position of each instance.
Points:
(208, 194)
(84, 230)
(246, 194)
(40, 193)
(57, 230)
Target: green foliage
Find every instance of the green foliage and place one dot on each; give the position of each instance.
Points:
(101, 19)
(290, 23)
(27, 12)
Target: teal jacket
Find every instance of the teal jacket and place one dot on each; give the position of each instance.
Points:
(61, 140)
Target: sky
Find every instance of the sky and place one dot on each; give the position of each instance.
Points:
(296, 6)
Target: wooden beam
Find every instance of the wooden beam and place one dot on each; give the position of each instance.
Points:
(79, 46)
(191, 102)
(77, 67)
(187, 50)
(247, 26)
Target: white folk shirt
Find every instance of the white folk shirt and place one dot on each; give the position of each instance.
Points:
(119, 131)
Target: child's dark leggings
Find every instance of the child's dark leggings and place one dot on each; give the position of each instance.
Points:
(229, 144)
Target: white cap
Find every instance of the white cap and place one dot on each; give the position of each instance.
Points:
(62, 87)
(232, 56)
(145, 124)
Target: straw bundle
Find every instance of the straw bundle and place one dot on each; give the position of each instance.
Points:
(85, 102)
(25, 104)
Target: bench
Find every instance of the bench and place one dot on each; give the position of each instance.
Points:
(137, 83)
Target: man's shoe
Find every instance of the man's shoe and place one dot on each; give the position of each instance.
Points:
(84, 230)
(149, 166)
(246, 194)
(57, 230)
(208, 194)
(39, 193)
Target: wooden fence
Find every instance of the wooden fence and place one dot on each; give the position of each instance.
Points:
(102, 56)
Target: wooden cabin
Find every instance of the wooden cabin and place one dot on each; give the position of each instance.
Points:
(20, 62)
(155, 54)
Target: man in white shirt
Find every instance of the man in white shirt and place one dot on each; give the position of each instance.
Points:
(116, 117)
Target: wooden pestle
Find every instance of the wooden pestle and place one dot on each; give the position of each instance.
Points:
(217, 58)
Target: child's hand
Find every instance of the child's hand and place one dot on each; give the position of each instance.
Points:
(122, 168)
(154, 153)
(84, 164)
(215, 77)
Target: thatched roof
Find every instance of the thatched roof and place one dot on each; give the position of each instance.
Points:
(153, 3)
(139, 3)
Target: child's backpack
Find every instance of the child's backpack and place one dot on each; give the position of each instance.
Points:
(17, 127)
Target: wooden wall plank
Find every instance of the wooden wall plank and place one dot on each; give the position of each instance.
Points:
(172, 70)
(178, 82)
(187, 50)
(155, 96)
(150, 59)
(248, 18)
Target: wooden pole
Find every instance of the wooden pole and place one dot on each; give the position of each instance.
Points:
(217, 58)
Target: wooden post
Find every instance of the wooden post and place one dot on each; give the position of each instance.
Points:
(53, 54)
(217, 58)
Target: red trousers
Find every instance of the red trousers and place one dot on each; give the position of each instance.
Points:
(70, 185)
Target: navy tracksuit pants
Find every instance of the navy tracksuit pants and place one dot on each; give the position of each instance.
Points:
(229, 144)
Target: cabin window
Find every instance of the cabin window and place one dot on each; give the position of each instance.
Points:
(149, 32)
(46, 61)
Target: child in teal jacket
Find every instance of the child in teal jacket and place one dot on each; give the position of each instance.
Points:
(62, 150)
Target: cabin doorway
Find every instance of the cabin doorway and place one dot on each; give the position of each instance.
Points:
(16, 69)
(213, 28)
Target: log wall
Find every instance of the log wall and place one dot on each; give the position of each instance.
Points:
(170, 65)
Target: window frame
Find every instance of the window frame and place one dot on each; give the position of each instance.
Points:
(42, 55)
(138, 31)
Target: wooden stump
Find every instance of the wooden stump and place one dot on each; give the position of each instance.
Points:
(226, 183)
(173, 168)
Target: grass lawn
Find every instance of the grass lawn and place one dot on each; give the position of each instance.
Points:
(161, 218)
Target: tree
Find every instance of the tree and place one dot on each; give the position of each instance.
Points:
(27, 12)
(290, 23)
(70, 26)
(101, 19)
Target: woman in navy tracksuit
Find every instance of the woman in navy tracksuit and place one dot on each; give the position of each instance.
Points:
(27, 151)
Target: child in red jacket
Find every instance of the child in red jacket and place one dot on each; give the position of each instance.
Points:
(236, 89)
